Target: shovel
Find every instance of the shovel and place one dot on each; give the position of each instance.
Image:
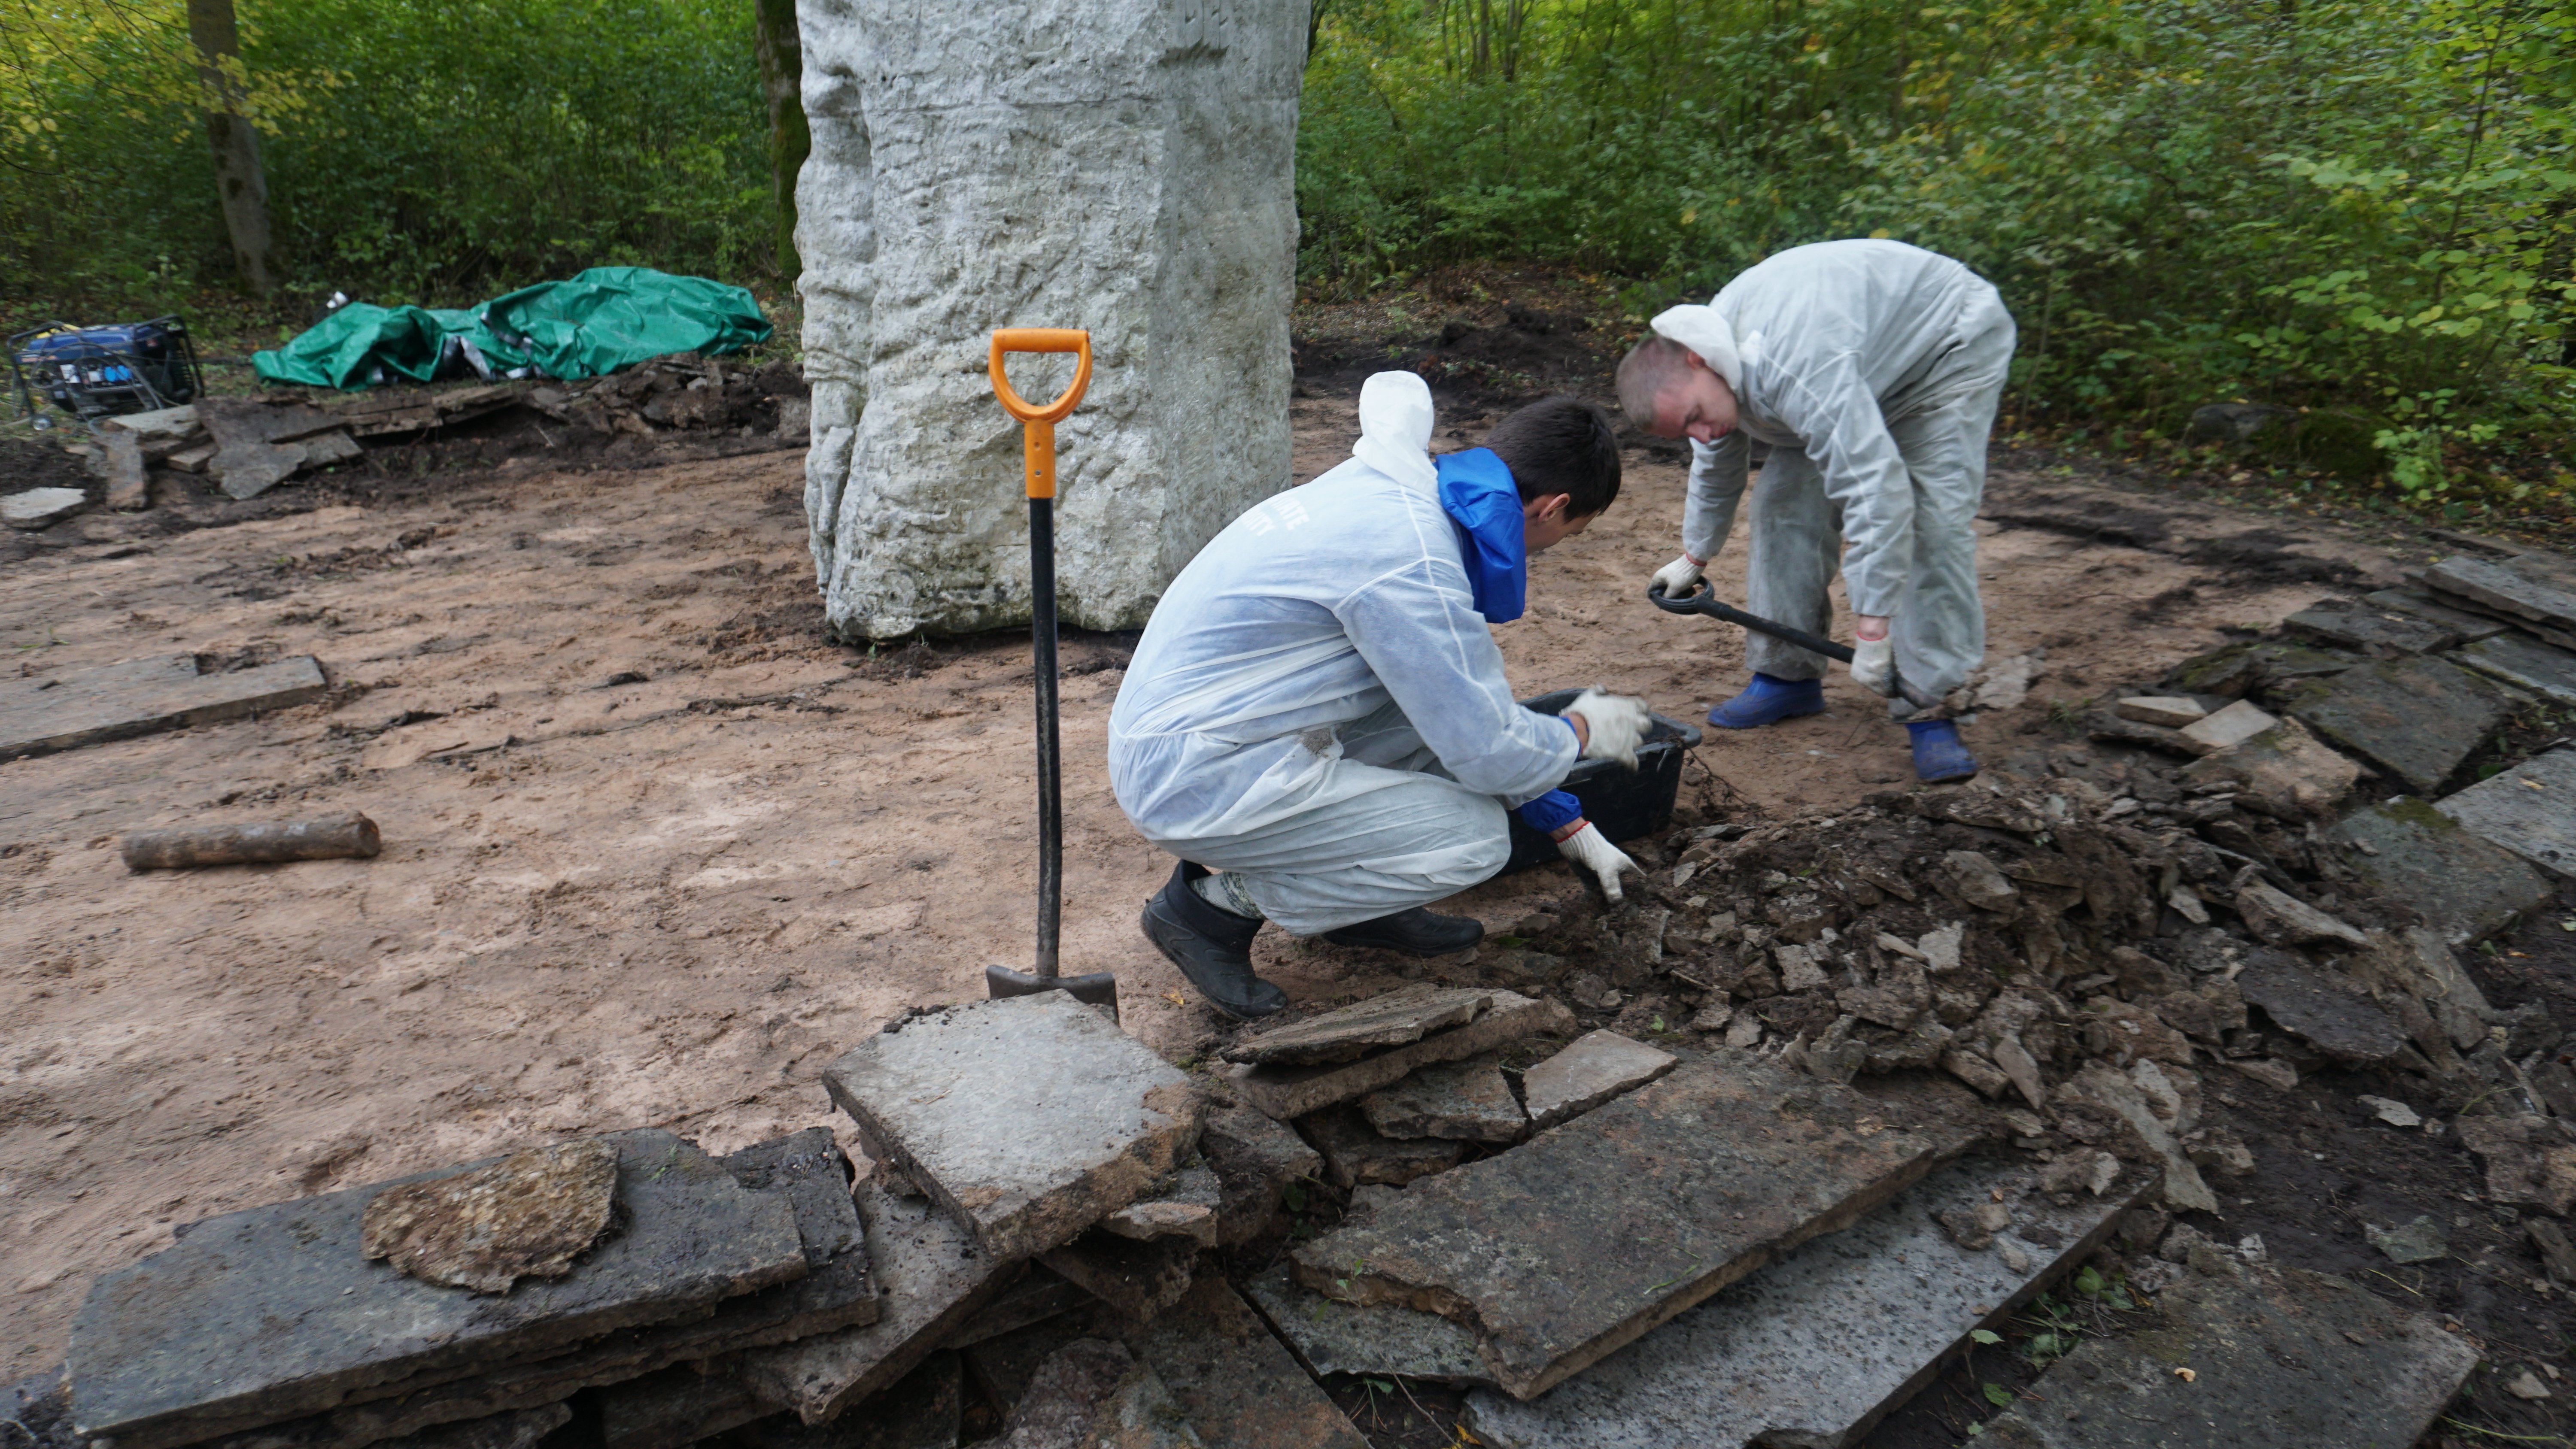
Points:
(1037, 451)
(1702, 599)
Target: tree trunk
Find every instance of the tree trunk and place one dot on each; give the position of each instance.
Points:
(782, 75)
(239, 181)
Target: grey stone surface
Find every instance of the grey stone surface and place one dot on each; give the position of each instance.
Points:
(2367, 627)
(2544, 669)
(2235, 724)
(2420, 1241)
(1332, 1337)
(74, 707)
(1593, 1068)
(2170, 711)
(2529, 809)
(1104, 164)
(933, 1279)
(41, 1406)
(1256, 1158)
(1239, 1388)
(1028, 1118)
(2278, 1356)
(923, 1410)
(2282, 919)
(157, 1362)
(1572, 1245)
(1136, 1278)
(128, 489)
(2426, 964)
(2424, 606)
(1286, 1092)
(1466, 1101)
(160, 423)
(247, 470)
(2463, 885)
(2323, 1007)
(2534, 600)
(1040, 1294)
(41, 508)
(1186, 1207)
(1816, 1348)
(2418, 719)
(1356, 1153)
(1096, 1394)
(2285, 768)
(1406, 1014)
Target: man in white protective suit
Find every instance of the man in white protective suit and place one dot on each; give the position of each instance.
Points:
(1872, 370)
(1316, 720)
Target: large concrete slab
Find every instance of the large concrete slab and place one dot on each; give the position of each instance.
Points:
(66, 710)
(2419, 719)
(1406, 1014)
(1574, 1244)
(1029, 1118)
(2464, 886)
(2539, 604)
(157, 1356)
(2529, 810)
(2518, 659)
(1817, 1348)
(1291, 1091)
(1239, 1388)
(2279, 1357)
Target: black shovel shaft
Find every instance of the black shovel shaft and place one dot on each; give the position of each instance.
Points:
(1704, 600)
(1050, 773)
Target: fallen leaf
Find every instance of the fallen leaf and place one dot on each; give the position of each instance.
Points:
(2186, 1375)
(1177, 999)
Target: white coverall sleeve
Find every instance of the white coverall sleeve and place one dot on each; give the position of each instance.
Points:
(1834, 409)
(1436, 655)
(1716, 487)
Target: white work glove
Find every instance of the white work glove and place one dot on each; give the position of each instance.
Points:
(1615, 725)
(1592, 850)
(1873, 664)
(1676, 578)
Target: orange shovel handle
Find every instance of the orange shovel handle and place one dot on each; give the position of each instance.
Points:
(1037, 424)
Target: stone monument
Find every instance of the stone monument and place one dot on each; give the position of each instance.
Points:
(1125, 166)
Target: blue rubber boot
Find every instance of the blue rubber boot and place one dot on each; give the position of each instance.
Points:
(1768, 701)
(1939, 753)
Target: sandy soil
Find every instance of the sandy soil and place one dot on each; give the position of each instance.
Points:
(655, 849)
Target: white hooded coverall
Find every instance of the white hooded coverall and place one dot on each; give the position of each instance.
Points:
(1872, 368)
(1317, 706)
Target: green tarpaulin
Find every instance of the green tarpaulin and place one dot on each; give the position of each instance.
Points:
(600, 321)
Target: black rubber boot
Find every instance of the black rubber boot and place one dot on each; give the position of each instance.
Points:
(1416, 932)
(1212, 947)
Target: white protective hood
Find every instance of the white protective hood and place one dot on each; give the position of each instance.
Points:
(1704, 330)
(1395, 430)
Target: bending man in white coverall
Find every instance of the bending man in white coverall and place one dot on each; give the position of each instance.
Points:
(1318, 711)
(1872, 369)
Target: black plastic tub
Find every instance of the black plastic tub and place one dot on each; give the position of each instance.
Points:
(1622, 803)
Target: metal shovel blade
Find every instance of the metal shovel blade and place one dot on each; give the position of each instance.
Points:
(1097, 989)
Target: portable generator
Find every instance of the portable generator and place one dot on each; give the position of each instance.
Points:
(96, 372)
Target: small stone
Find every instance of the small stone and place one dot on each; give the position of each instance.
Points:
(2233, 725)
(2420, 1241)
(1798, 969)
(2281, 919)
(2272, 1072)
(1593, 1069)
(2170, 711)
(2393, 1112)
(2079, 1171)
(1465, 1101)
(1404, 1015)
(1713, 1015)
(1973, 1228)
(2324, 1008)
(1745, 1031)
(1354, 1152)
(526, 1216)
(2284, 768)
(2529, 1160)
(2022, 1069)
(128, 489)
(1185, 1208)
(2188, 904)
(1976, 1071)
(2555, 1252)
(1940, 948)
(2526, 1385)
(1977, 880)
(41, 508)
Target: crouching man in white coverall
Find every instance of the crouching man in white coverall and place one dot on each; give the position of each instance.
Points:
(1872, 368)
(1317, 711)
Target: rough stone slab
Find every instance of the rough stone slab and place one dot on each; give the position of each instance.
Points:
(525, 1216)
(2322, 1007)
(86, 707)
(2279, 1357)
(1465, 1101)
(1286, 1092)
(1028, 1118)
(2283, 767)
(232, 420)
(1001, 1368)
(675, 1407)
(2530, 1160)
(2517, 659)
(1096, 1394)
(1574, 1244)
(1817, 1348)
(1123, 168)
(157, 1361)
(2529, 810)
(1239, 1388)
(2233, 725)
(128, 489)
(1330, 1337)
(2465, 886)
(247, 470)
(2369, 628)
(2424, 606)
(1406, 1014)
(1356, 1153)
(1255, 1158)
(1594, 1068)
(925, 1410)
(177, 422)
(1186, 1207)
(2516, 594)
(1136, 1278)
(2277, 917)
(933, 1278)
(41, 508)
(2418, 719)
(2170, 711)
(1040, 1294)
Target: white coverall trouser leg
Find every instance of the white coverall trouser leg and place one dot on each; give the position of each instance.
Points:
(1940, 625)
(1417, 837)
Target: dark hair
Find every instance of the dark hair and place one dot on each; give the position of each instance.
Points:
(1560, 445)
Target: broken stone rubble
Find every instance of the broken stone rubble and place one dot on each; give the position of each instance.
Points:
(1287, 1092)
